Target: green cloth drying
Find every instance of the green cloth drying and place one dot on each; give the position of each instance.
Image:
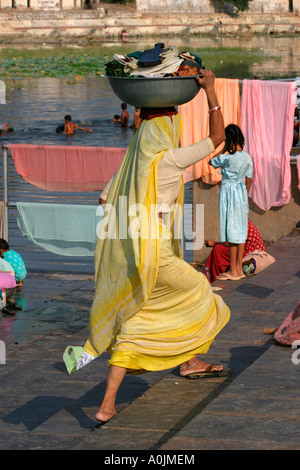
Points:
(64, 229)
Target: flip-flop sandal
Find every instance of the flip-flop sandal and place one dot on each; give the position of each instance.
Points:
(206, 374)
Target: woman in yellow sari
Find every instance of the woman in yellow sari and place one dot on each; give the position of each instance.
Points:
(151, 310)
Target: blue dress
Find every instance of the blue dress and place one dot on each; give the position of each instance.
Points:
(233, 198)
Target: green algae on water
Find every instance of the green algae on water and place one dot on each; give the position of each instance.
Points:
(90, 61)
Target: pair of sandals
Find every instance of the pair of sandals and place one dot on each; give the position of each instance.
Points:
(208, 372)
(11, 308)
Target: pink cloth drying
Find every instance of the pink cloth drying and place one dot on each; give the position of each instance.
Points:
(63, 168)
(267, 121)
(195, 119)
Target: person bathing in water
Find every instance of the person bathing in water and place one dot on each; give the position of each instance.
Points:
(5, 129)
(69, 127)
(124, 115)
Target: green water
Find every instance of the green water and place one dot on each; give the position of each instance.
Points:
(229, 57)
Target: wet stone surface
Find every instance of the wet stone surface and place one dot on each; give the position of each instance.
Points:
(257, 407)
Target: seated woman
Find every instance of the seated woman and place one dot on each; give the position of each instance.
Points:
(218, 261)
(15, 260)
(7, 282)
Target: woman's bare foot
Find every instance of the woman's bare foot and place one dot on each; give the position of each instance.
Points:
(104, 416)
(195, 365)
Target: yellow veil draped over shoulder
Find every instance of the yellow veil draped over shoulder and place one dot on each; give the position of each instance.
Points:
(127, 250)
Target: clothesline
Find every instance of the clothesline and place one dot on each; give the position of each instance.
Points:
(61, 168)
(277, 80)
(55, 180)
(264, 110)
(66, 168)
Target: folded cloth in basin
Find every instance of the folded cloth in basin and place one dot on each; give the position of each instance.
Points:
(64, 229)
(169, 66)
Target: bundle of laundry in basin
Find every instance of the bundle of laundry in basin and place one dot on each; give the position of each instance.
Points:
(156, 62)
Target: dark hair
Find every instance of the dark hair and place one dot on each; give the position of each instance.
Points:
(116, 116)
(124, 106)
(68, 117)
(3, 244)
(10, 129)
(234, 137)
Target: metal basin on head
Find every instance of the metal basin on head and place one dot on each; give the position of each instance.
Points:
(156, 92)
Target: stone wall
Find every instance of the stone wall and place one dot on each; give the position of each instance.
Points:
(156, 6)
(197, 6)
(57, 23)
(96, 24)
(41, 5)
(194, 6)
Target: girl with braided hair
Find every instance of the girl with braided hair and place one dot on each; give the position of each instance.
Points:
(236, 166)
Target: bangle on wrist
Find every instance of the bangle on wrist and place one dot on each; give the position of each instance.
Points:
(216, 108)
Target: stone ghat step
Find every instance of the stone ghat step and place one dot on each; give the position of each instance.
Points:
(257, 407)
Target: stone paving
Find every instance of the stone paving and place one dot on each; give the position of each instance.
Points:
(257, 407)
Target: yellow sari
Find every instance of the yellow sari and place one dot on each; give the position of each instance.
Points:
(151, 310)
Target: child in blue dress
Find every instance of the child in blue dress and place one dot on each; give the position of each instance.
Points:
(237, 166)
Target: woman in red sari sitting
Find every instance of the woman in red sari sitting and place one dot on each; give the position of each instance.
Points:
(218, 261)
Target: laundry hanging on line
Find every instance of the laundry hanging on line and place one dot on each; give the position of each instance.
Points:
(265, 115)
(195, 119)
(66, 168)
(267, 120)
(63, 229)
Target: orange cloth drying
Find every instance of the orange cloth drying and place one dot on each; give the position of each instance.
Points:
(195, 119)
